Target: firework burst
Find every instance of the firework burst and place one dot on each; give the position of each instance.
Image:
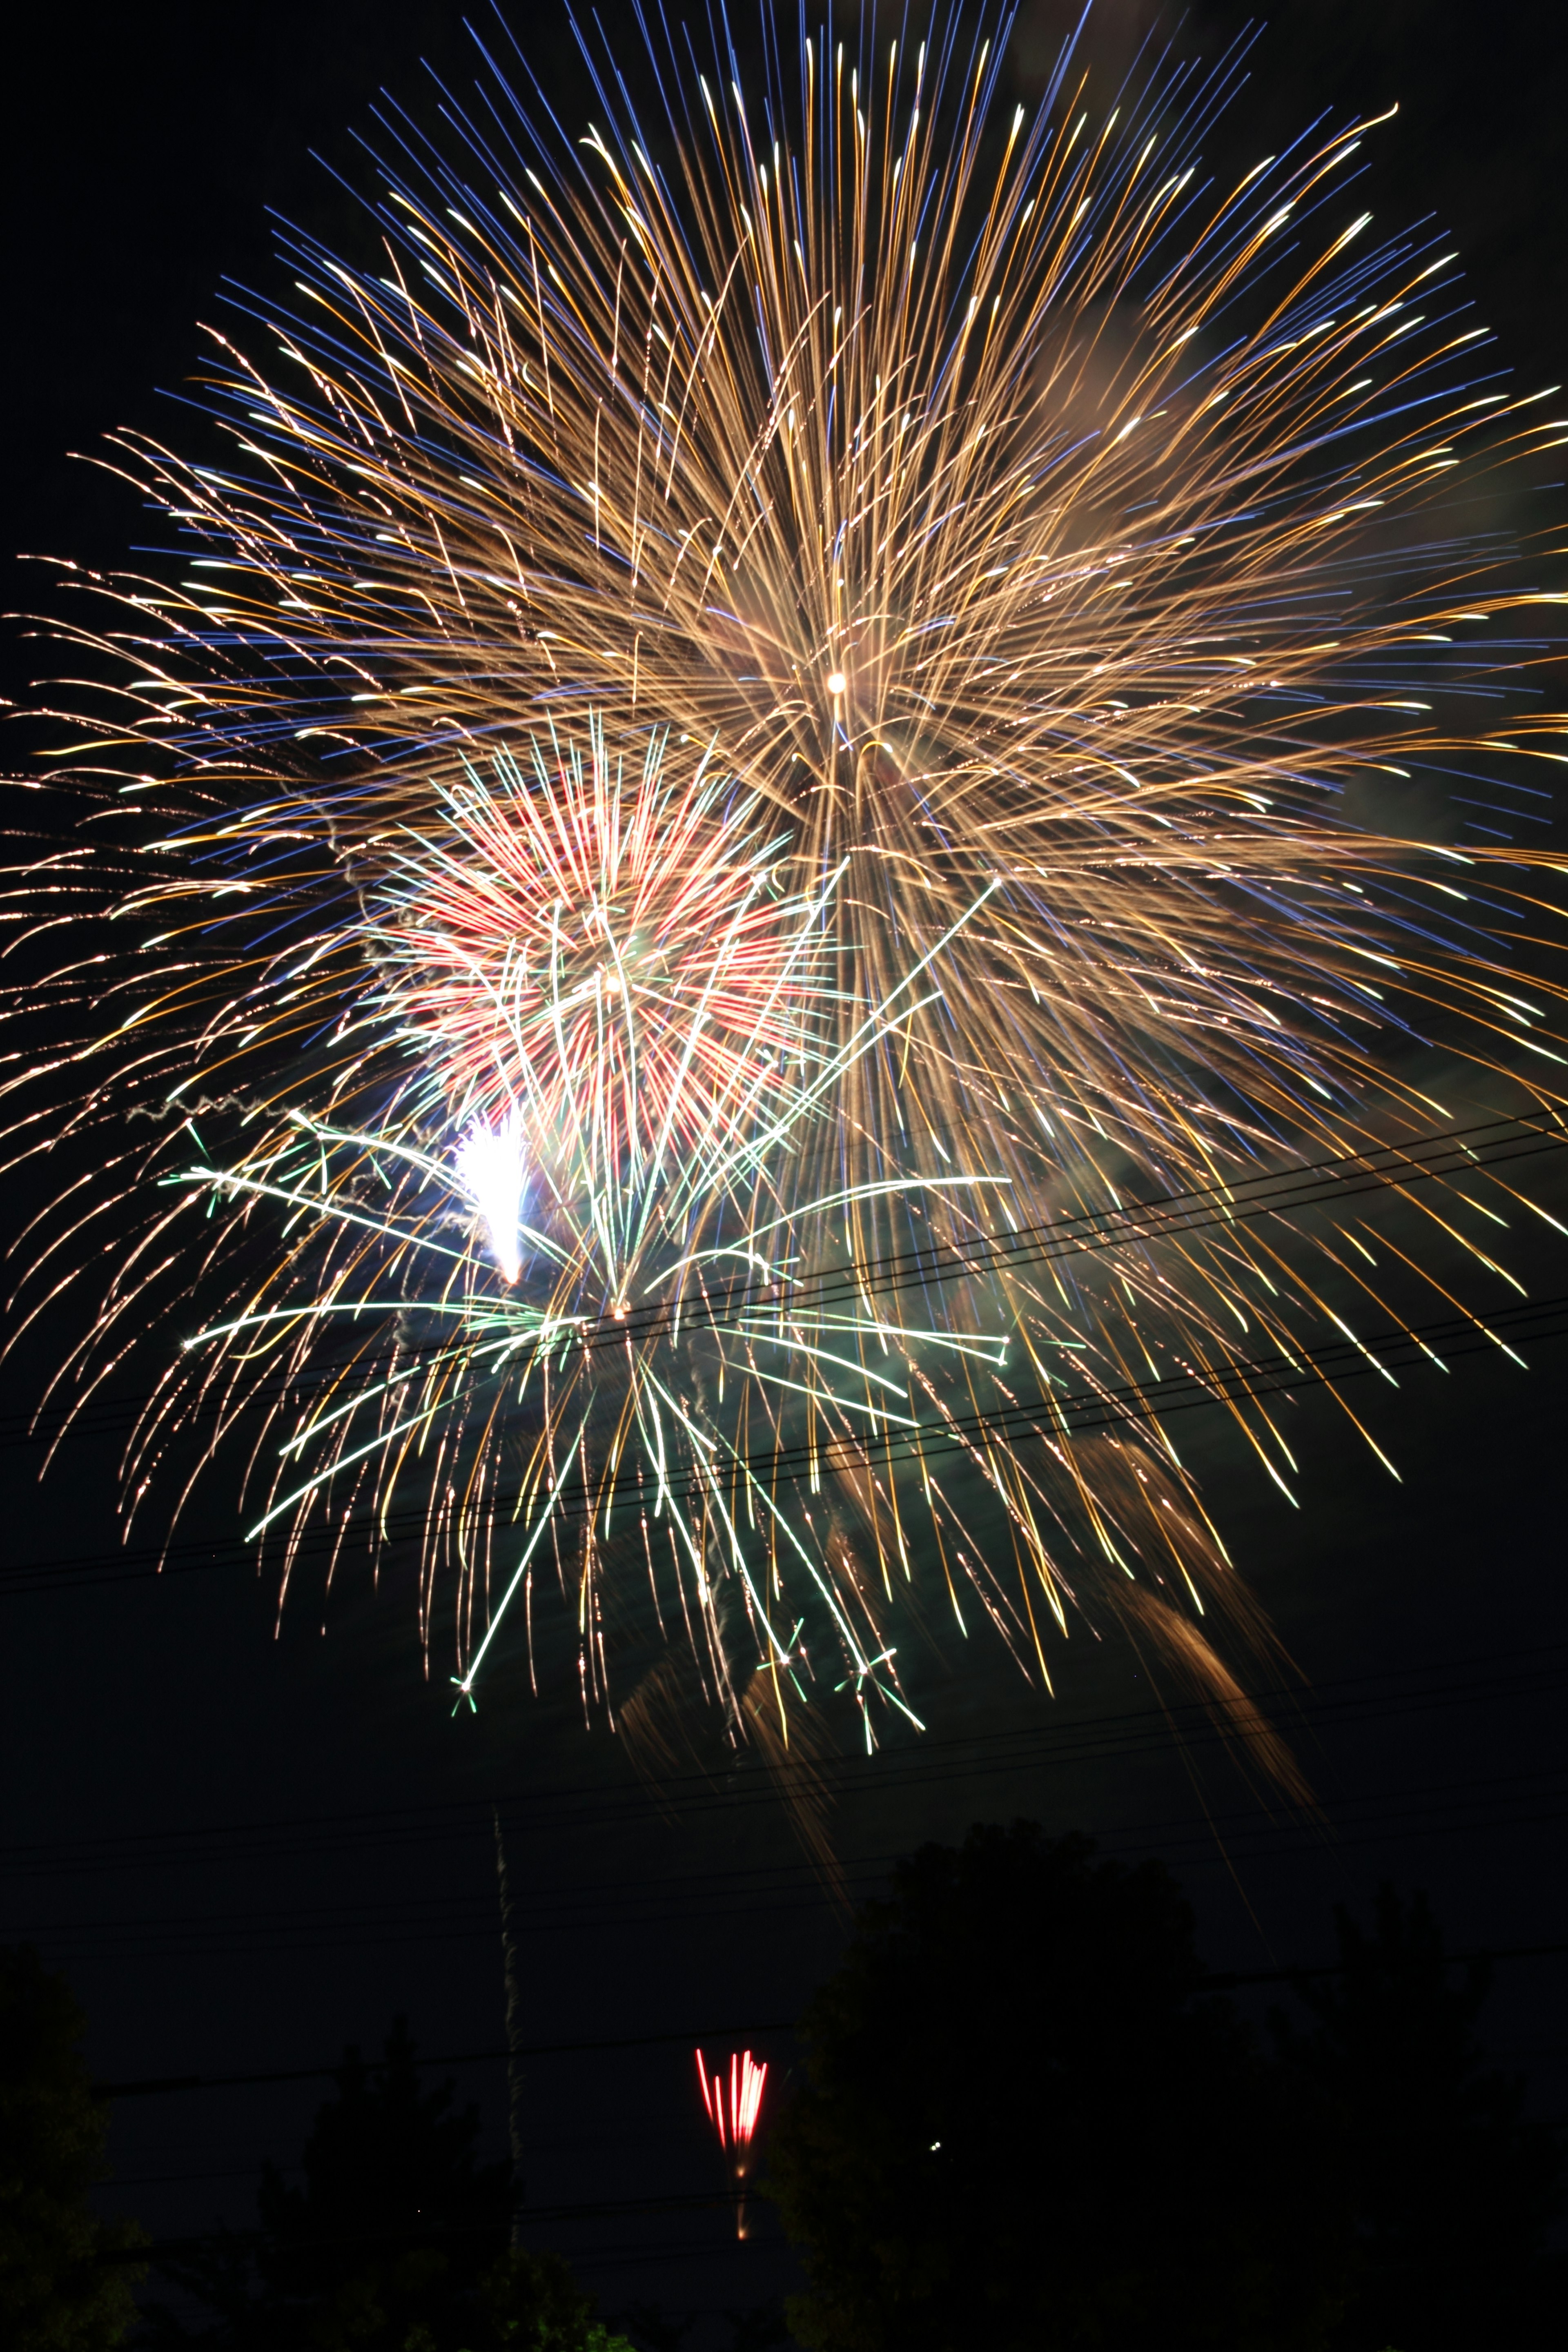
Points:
(735, 2110)
(878, 685)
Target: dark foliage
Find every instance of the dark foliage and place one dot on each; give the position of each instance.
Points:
(1025, 2126)
(392, 2192)
(760, 2327)
(1452, 2190)
(654, 2329)
(396, 2242)
(58, 2291)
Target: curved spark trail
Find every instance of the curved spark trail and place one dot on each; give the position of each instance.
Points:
(836, 675)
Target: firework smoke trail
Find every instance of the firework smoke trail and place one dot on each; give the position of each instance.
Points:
(740, 712)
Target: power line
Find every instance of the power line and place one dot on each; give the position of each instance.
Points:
(156, 2085)
(1186, 1842)
(1354, 1692)
(1240, 1379)
(1229, 1201)
(1228, 1980)
(589, 1804)
(1391, 1814)
(1341, 1176)
(441, 2234)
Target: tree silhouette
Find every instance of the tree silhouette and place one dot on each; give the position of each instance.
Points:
(1452, 2190)
(60, 2288)
(397, 2241)
(1024, 2126)
(396, 2209)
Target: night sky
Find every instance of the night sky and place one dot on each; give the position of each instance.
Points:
(252, 1843)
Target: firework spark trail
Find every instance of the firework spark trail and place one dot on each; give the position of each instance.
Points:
(742, 717)
(734, 2109)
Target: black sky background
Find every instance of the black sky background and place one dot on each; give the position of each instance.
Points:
(251, 1843)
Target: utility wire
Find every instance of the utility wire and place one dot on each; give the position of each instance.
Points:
(717, 1306)
(1069, 1413)
(1446, 1813)
(436, 2232)
(1229, 1980)
(589, 1804)
(1189, 1842)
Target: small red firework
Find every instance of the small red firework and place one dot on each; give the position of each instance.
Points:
(733, 2109)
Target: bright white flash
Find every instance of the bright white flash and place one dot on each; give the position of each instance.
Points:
(489, 1169)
